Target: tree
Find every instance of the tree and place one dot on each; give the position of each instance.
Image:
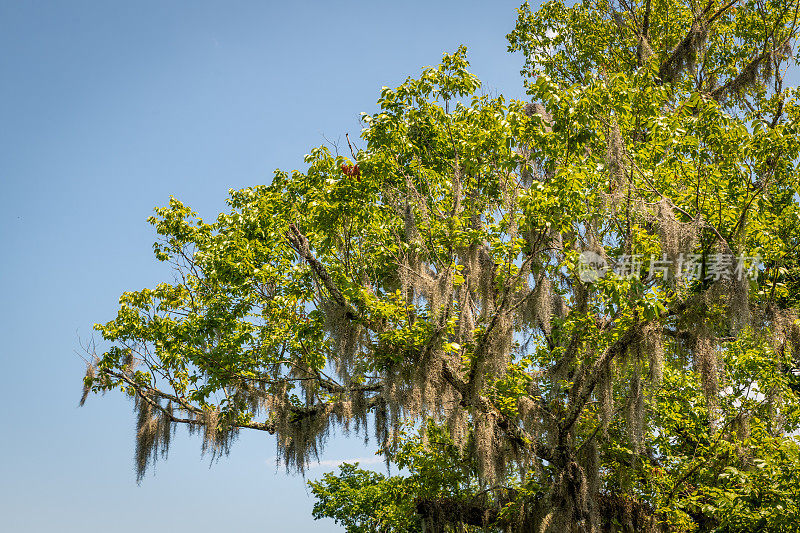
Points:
(575, 314)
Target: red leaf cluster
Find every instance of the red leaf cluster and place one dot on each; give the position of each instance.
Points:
(352, 171)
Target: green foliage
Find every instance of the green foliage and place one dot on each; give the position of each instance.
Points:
(435, 280)
(438, 473)
(364, 501)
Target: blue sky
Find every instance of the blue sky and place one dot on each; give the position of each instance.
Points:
(107, 109)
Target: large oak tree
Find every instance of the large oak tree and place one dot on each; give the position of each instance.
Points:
(431, 290)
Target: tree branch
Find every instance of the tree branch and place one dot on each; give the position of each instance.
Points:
(299, 243)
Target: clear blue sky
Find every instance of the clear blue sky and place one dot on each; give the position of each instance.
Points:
(107, 109)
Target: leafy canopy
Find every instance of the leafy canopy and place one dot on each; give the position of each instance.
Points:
(436, 280)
